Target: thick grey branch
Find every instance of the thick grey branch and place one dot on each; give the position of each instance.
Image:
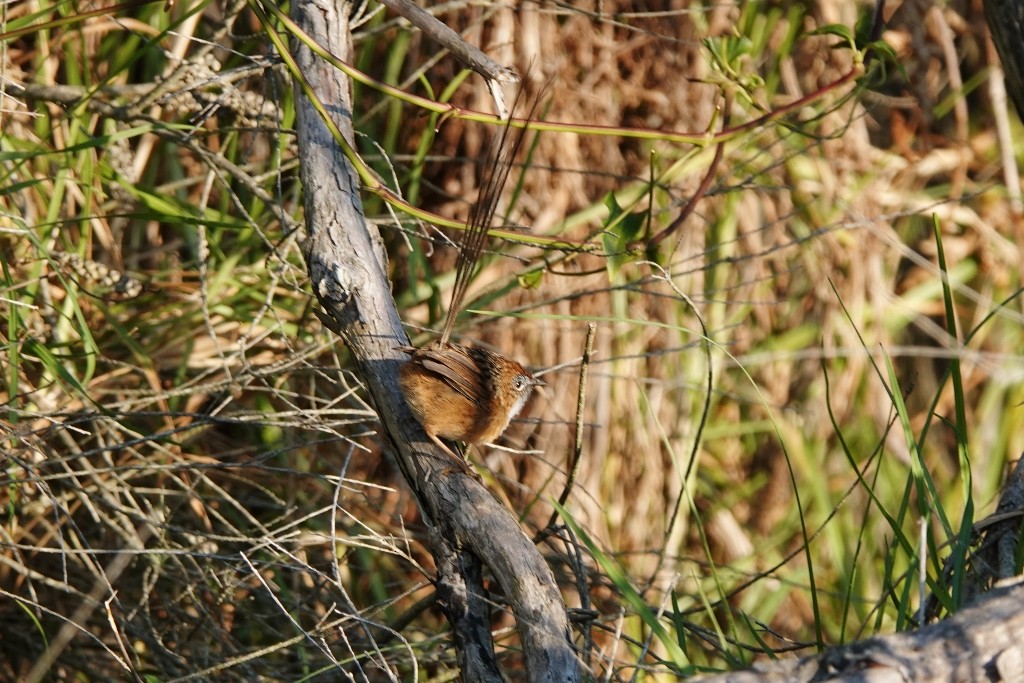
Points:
(347, 265)
(981, 643)
(441, 33)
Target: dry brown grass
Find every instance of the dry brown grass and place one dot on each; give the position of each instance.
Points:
(192, 484)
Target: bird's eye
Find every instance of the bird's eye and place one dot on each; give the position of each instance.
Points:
(519, 383)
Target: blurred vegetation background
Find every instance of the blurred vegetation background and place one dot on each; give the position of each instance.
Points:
(800, 392)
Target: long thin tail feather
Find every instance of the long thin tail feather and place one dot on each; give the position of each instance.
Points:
(492, 180)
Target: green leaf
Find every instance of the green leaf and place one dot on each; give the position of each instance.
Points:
(531, 279)
(53, 365)
(621, 230)
(838, 30)
(624, 585)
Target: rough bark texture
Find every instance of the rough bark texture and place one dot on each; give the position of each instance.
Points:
(1006, 21)
(981, 643)
(347, 265)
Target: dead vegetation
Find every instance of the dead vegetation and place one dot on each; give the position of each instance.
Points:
(193, 482)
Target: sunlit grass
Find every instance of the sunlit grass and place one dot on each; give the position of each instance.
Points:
(189, 410)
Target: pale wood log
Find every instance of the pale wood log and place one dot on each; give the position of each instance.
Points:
(980, 643)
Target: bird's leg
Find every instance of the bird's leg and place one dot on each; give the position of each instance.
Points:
(461, 460)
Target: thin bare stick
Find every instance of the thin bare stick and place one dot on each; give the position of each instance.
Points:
(441, 33)
(577, 442)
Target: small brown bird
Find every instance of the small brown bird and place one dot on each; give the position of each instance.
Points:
(465, 393)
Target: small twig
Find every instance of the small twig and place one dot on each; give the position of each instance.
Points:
(577, 442)
(584, 615)
(997, 91)
(495, 74)
(105, 579)
(704, 184)
(705, 414)
(946, 42)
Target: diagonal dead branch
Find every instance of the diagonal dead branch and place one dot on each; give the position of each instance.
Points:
(346, 262)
